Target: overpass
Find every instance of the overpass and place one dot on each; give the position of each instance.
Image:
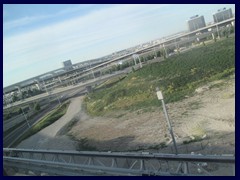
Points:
(62, 91)
(190, 36)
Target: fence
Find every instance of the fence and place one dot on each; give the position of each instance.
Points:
(112, 163)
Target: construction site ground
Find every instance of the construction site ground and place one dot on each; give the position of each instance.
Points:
(203, 123)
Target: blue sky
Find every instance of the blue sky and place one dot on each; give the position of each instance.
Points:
(37, 38)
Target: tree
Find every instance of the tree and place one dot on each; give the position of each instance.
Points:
(37, 107)
(14, 98)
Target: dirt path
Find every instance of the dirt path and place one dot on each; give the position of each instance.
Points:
(209, 114)
(48, 139)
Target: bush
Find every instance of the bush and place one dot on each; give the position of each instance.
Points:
(37, 107)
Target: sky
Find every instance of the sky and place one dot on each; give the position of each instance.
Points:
(37, 38)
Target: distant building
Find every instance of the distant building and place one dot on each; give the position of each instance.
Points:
(222, 14)
(196, 22)
(67, 65)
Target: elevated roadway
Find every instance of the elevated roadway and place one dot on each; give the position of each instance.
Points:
(62, 91)
(165, 41)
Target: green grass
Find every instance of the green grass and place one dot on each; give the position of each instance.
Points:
(194, 105)
(110, 82)
(46, 121)
(176, 77)
(196, 139)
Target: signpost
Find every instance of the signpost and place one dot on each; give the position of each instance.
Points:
(160, 97)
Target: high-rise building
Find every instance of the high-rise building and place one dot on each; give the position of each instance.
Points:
(67, 65)
(222, 14)
(196, 22)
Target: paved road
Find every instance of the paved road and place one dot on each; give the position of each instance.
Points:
(47, 138)
(19, 131)
(61, 91)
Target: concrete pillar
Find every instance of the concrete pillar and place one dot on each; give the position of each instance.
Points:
(136, 57)
(19, 91)
(135, 61)
(38, 84)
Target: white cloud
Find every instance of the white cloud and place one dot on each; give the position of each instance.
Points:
(52, 43)
(28, 20)
(21, 22)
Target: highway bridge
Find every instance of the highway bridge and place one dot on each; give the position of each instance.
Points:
(80, 72)
(62, 92)
(92, 163)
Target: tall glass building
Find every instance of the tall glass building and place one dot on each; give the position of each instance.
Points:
(222, 14)
(196, 22)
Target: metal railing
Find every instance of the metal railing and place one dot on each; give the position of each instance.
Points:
(55, 162)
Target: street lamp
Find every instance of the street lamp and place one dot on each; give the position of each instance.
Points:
(160, 97)
(25, 117)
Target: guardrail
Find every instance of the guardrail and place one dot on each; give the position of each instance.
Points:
(54, 162)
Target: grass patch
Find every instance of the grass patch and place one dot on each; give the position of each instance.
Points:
(177, 77)
(158, 146)
(120, 115)
(195, 139)
(82, 144)
(46, 121)
(109, 82)
(194, 105)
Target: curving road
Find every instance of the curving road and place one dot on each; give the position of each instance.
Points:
(47, 138)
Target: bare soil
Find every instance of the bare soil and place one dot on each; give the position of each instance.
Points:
(209, 115)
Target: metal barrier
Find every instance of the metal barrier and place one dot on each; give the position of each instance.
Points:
(55, 162)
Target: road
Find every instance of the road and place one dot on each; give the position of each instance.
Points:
(49, 138)
(18, 132)
(12, 137)
(61, 91)
(9, 123)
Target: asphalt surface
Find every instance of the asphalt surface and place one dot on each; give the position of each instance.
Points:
(12, 137)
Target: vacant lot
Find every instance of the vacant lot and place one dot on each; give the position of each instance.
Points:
(209, 114)
(198, 87)
(177, 77)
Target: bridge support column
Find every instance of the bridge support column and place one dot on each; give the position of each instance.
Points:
(39, 86)
(135, 58)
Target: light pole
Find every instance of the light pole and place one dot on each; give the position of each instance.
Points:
(160, 97)
(25, 118)
(93, 74)
(46, 90)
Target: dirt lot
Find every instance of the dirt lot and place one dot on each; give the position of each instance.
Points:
(207, 118)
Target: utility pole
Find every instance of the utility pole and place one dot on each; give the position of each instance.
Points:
(160, 97)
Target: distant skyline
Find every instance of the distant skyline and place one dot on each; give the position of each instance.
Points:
(37, 38)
